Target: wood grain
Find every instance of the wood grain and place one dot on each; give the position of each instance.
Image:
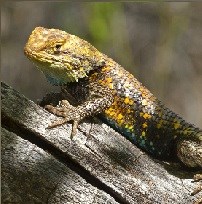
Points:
(99, 165)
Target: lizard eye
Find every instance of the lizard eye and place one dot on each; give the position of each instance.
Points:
(57, 49)
(58, 46)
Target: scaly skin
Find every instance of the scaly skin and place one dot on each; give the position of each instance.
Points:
(102, 86)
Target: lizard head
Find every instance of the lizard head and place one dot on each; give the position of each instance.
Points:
(60, 56)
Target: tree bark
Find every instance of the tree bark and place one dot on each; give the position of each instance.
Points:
(99, 165)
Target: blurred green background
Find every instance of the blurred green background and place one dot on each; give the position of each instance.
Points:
(160, 43)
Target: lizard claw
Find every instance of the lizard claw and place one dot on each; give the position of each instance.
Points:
(61, 122)
(68, 112)
(57, 123)
(74, 129)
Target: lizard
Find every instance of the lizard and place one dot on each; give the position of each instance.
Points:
(103, 87)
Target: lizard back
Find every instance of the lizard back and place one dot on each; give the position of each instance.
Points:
(139, 115)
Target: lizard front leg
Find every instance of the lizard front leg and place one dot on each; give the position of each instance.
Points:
(68, 112)
(99, 99)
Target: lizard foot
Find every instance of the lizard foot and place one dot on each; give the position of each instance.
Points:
(197, 178)
(68, 112)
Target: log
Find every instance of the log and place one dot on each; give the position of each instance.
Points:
(99, 165)
(31, 175)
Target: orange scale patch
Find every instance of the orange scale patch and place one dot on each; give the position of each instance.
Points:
(120, 122)
(146, 116)
(120, 116)
(108, 80)
(126, 100)
(101, 82)
(144, 125)
(110, 86)
(131, 102)
(106, 69)
(110, 111)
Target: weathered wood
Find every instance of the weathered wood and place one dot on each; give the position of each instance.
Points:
(31, 175)
(101, 156)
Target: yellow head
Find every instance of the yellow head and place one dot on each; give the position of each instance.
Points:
(60, 56)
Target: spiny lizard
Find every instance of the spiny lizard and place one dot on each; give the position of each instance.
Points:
(102, 86)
